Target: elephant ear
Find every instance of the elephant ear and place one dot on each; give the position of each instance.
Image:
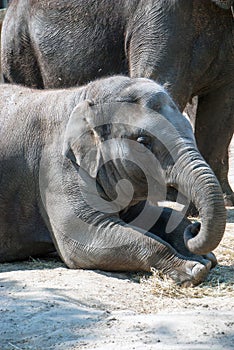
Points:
(224, 4)
(80, 143)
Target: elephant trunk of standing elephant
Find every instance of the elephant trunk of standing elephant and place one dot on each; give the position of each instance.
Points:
(196, 180)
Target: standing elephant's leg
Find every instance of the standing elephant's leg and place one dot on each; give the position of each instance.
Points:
(214, 130)
(19, 61)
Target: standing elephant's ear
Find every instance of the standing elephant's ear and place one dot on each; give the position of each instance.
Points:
(80, 143)
(224, 4)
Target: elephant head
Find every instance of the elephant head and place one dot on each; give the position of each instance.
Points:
(140, 136)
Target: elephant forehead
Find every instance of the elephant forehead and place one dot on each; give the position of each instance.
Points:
(143, 88)
(121, 112)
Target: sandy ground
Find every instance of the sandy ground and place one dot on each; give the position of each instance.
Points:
(51, 307)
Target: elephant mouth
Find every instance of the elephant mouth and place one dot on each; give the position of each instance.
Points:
(172, 193)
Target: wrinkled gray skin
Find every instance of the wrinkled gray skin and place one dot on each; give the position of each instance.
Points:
(188, 45)
(45, 181)
(2, 14)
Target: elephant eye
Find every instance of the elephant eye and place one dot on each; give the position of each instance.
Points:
(145, 140)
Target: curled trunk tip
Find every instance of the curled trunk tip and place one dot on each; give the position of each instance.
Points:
(190, 232)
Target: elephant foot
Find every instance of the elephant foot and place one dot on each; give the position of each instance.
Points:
(212, 258)
(198, 274)
(191, 273)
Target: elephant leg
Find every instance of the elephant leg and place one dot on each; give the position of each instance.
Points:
(214, 130)
(112, 245)
(19, 60)
(175, 237)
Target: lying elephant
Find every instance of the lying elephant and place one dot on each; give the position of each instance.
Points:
(80, 166)
(185, 44)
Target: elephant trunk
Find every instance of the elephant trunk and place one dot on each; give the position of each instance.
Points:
(198, 183)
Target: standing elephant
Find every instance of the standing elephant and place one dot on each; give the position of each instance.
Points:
(188, 45)
(79, 166)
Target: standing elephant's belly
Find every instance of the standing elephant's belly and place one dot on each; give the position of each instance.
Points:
(88, 53)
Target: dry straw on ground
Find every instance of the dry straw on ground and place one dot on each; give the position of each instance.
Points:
(220, 281)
